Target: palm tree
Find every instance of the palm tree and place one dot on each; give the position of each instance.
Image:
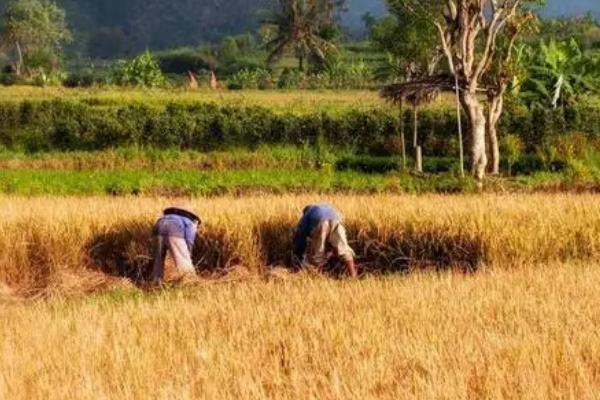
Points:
(298, 23)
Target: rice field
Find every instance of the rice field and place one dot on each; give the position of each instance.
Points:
(65, 244)
(294, 101)
(461, 297)
(522, 333)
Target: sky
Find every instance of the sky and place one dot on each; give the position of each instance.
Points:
(553, 7)
(570, 7)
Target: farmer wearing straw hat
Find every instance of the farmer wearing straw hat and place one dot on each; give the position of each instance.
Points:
(322, 224)
(175, 232)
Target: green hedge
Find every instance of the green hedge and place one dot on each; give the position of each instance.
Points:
(87, 125)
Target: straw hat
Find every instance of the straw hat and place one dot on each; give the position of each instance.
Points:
(185, 207)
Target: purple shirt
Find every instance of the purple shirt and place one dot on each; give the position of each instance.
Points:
(177, 226)
(313, 216)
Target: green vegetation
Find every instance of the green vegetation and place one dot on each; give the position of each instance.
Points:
(119, 183)
(143, 70)
(94, 123)
(282, 169)
(558, 74)
(299, 25)
(576, 177)
(36, 31)
(151, 159)
(289, 83)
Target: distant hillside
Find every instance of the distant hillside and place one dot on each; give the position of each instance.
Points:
(124, 27)
(116, 28)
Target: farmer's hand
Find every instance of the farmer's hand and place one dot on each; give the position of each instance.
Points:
(351, 268)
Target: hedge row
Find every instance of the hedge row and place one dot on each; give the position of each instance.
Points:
(72, 125)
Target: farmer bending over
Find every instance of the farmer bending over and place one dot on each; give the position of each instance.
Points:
(323, 225)
(176, 232)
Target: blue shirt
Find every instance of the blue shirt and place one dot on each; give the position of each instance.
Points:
(313, 216)
(177, 226)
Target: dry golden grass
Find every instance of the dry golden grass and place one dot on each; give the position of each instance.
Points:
(71, 245)
(524, 333)
(293, 100)
(296, 101)
(524, 326)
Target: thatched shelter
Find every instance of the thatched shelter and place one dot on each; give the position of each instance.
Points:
(420, 91)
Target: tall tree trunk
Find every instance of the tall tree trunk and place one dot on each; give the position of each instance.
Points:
(477, 125)
(495, 107)
(301, 63)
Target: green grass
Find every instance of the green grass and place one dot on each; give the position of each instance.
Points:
(28, 182)
(272, 169)
(83, 183)
(145, 158)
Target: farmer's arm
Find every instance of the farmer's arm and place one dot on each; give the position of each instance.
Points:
(300, 240)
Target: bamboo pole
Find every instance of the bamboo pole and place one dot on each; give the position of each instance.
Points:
(460, 132)
(402, 138)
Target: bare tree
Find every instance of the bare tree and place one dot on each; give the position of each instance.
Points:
(469, 31)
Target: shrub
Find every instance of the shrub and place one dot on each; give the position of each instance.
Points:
(436, 165)
(265, 80)
(229, 49)
(244, 79)
(235, 66)
(368, 164)
(180, 61)
(577, 171)
(571, 146)
(289, 79)
(84, 78)
(143, 70)
(251, 79)
(246, 42)
(360, 75)
(512, 148)
(337, 75)
(525, 165)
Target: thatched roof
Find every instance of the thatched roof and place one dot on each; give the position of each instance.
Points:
(419, 91)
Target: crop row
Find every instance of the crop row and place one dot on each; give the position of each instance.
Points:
(85, 125)
(57, 243)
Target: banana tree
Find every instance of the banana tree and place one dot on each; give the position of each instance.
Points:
(560, 72)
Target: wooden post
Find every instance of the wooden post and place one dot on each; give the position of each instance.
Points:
(415, 126)
(460, 133)
(402, 139)
(417, 148)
